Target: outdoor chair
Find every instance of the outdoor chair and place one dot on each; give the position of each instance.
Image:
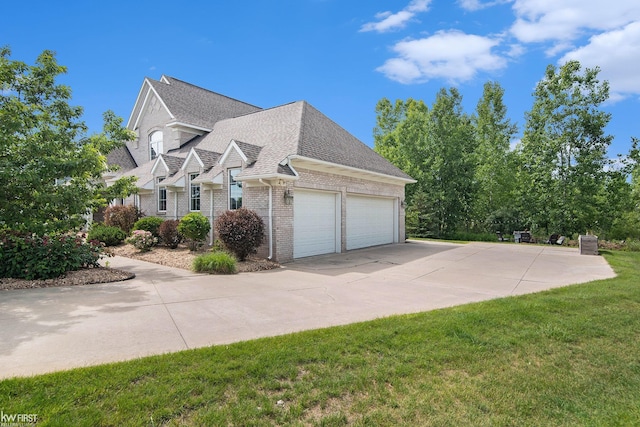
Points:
(553, 239)
(501, 238)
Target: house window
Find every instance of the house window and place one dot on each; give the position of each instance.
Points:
(194, 193)
(155, 144)
(235, 190)
(162, 196)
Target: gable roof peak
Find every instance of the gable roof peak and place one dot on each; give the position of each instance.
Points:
(187, 105)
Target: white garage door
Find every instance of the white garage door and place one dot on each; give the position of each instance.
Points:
(315, 226)
(370, 221)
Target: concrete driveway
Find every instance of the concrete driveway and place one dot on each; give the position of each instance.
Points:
(164, 309)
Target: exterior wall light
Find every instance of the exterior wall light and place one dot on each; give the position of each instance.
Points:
(288, 197)
(403, 204)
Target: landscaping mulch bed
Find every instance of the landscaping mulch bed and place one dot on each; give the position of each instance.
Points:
(177, 258)
(85, 276)
(182, 257)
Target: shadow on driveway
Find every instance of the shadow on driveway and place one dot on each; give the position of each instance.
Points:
(38, 313)
(370, 260)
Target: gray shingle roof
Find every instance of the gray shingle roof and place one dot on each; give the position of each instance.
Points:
(209, 158)
(173, 163)
(266, 137)
(121, 156)
(251, 151)
(296, 129)
(197, 106)
(323, 139)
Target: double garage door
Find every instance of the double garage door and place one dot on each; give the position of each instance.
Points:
(317, 227)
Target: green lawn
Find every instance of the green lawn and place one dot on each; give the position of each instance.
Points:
(570, 356)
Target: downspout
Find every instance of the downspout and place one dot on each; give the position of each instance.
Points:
(176, 203)
(270, 217)
(211, 217)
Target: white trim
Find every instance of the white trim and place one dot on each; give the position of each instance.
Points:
(211, 213)
(159, 145)
(192, 153)
(227, 152)
(159, 159)
(287, 162)
(149, 185)
(166, 192)
(164, 79)
(134, 105)
(218, 179)
(181, 125)
(270, 218)
(175, 199)
(151, 89)
(199, 192)
(267, 176)
(177, 184)
(229, 188)
(324, 166)
(396, 219)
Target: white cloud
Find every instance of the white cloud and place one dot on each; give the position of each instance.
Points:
(516, 50)
(617, 53)
(388, 21)
(473, 5)
(558, 48)
(566, 20)
(451, 55)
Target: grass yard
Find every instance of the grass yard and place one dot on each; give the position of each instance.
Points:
(570, 356)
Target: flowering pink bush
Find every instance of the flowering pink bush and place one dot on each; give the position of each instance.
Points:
(142, 240)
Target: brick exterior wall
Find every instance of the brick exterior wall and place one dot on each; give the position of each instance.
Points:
(255, 196)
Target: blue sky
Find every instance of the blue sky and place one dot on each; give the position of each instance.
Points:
(341, 56)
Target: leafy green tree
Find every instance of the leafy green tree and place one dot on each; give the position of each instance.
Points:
(564, 148)
(623, 197)
(495, 161)
(435, 146)
(450, 162)
(400, 135)
(50, 173)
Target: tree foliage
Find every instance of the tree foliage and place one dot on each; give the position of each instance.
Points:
(50, 172)
(469, 179)
(493, 206)
(564, 151)
(436, 147)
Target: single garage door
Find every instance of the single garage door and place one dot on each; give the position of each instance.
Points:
(315, 223)
(370, 221)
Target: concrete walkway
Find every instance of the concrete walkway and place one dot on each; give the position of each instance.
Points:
(165, 310)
